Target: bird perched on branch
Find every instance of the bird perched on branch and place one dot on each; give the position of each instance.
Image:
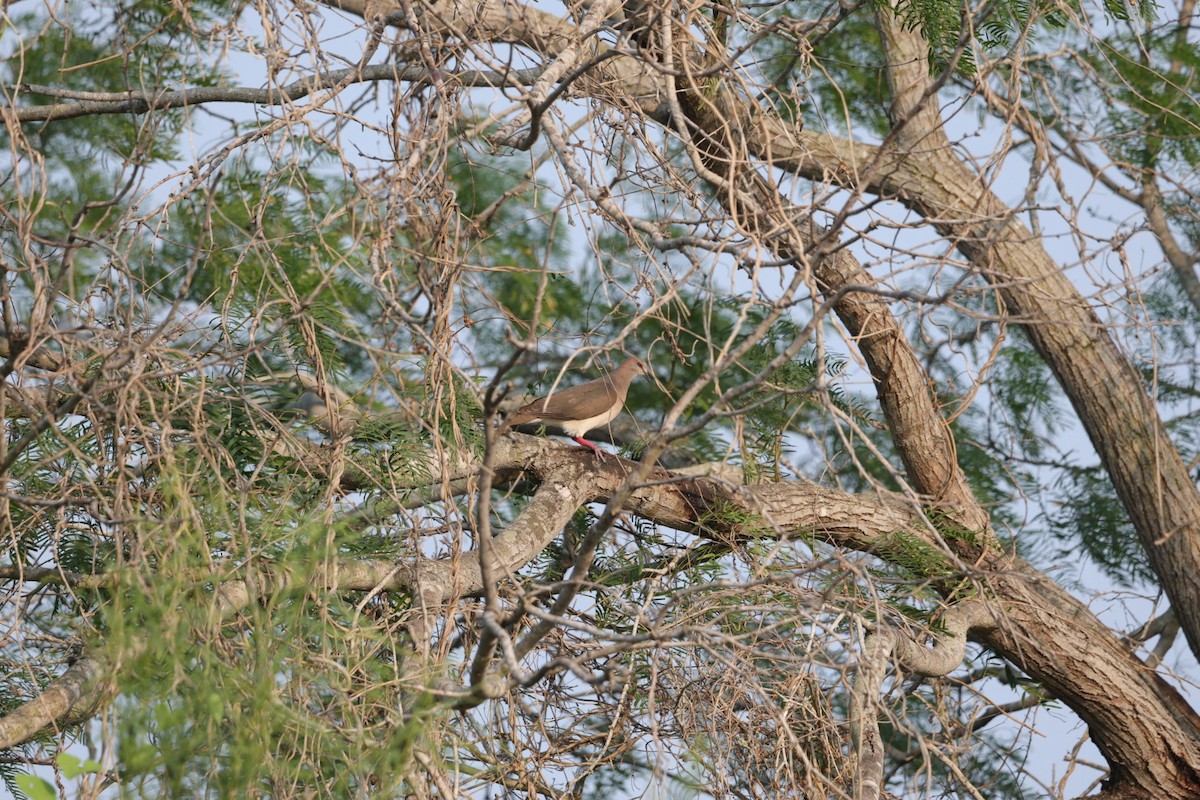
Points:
(579, 409)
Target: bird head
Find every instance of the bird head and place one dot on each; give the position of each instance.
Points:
(639, 367)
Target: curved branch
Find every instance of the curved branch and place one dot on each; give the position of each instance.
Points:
(1044, 630)
(923, 173)
(12, 347)
(888, 643)
(717, 118)
(1036, 620)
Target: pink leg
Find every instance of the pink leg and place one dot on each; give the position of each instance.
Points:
(599, 453)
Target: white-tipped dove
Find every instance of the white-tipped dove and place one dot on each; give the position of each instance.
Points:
(579, 409)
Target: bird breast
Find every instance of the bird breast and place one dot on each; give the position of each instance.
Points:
(578, 427)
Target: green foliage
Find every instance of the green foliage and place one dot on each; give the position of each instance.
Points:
(460, 425)
(1153, 118)
(176, 481)
(1178, 208)
(1000, 28)
(232, 423)
(849, 88)
(57, 58)
(1088, 514)
(35, 787)
(947, 526)
(940, 23)
(788, 398)
(1085, 511)
(506, 211)
(984, 763)
(88, 162)
(263, 240)
(1134, 85)
(724, 520)
(1169, 372)
(1023, 422)
(206, 704)
(913, 556)
(49, 460)
(72, 766)
(1026, 389)
(785, 402)
(555, 560)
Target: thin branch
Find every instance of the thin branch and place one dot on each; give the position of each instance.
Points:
(141, 102)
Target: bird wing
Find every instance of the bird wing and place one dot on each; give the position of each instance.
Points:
(576, 402)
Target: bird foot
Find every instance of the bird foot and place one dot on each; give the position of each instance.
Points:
(600, 454)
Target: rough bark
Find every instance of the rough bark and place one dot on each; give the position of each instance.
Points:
(1148, 734)
(72, 695)
(1106, 392)
(714, 118)
(1134, 716)
(1105, 389)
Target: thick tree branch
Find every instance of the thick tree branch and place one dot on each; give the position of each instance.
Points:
(11, 348)
(951, 196)
(73, 694)
(1036, 622)
(1039, 626)
(570, 479)
(1122, 421)
(715, 125)
(1105, 390)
